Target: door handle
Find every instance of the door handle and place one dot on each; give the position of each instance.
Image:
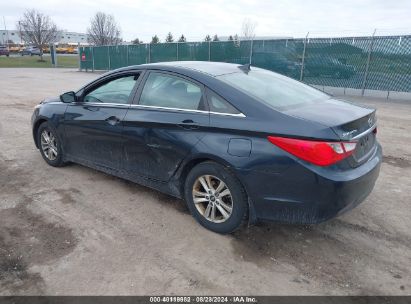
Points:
(188, 124)
(113, 120)
(91, 108)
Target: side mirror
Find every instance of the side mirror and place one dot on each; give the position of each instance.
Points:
(68, 97)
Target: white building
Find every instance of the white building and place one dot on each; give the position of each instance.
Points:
(72, 38)
(8, 35)
(13, 36)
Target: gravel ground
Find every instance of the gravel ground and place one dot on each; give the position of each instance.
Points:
(76, 231)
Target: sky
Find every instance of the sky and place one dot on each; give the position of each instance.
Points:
(195, 19)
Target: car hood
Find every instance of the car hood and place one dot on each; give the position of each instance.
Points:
(51, 99)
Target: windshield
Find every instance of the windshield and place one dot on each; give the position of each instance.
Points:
(277, 91)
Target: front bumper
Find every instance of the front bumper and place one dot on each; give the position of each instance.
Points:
(302, 195)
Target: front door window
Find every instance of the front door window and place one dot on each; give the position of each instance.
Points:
(114, 91)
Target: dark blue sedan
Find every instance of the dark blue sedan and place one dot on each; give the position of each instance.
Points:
(238, 143)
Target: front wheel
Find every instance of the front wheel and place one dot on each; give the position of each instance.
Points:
(216, 198)
(50, 146)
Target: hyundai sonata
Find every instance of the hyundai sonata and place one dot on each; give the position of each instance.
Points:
(237, 143)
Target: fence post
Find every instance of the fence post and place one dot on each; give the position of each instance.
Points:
(127, 56)
(303, 58)
(55, 56)
(251, 50)
(79, 55)
(92, 55)
(364, 83)
(149, 53)
(177, 50)
(209, 51)
(108, 54)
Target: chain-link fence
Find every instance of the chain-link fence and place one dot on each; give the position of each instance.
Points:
(366, 63)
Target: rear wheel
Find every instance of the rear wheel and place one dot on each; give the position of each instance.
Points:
(216, 198)
(50, 146)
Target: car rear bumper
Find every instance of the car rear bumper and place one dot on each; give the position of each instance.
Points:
(300, 195)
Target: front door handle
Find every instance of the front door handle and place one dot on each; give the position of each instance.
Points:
(113, 120)
(188, 124)
(91, 108)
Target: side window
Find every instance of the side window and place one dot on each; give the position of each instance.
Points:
(114, 91)
(219, 105)
(168, 91)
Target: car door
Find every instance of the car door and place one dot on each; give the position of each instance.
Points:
(165, 122)
(93, 126)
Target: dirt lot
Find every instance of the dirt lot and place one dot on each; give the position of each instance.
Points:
(74, 230)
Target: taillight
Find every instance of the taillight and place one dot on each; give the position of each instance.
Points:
(320, 153)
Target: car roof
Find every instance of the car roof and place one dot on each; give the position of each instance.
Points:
(206, 67)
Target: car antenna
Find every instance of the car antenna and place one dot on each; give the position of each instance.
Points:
(245, 68)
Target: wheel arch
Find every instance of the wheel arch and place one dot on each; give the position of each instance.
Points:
(189, 164)
(36, 126)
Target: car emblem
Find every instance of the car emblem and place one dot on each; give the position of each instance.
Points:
(370, 121)
(346, 134)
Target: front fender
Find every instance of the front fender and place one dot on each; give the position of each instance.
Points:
(53, 113)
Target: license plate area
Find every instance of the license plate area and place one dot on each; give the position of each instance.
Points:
(364, 148)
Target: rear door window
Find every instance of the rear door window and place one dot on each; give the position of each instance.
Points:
(170, 91)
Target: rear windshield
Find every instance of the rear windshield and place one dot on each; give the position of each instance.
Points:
(277, 91)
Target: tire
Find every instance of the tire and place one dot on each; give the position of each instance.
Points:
(213, 173)
(55, 160)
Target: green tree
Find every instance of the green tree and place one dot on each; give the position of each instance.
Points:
(155, 39)
(215, 38)
(207, 38)
(169, 37)
(136, 41)
(182, 39)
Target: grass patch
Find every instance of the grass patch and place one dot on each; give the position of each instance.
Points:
(34, 62)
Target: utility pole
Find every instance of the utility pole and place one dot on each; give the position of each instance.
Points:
(21, 37)
(7, 33)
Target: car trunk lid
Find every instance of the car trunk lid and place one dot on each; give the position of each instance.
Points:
(349, 121)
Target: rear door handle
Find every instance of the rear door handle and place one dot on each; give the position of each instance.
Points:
(188, 124)
(113, 120)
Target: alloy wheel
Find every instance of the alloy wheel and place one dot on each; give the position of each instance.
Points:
(49, 145)
(212, 198)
